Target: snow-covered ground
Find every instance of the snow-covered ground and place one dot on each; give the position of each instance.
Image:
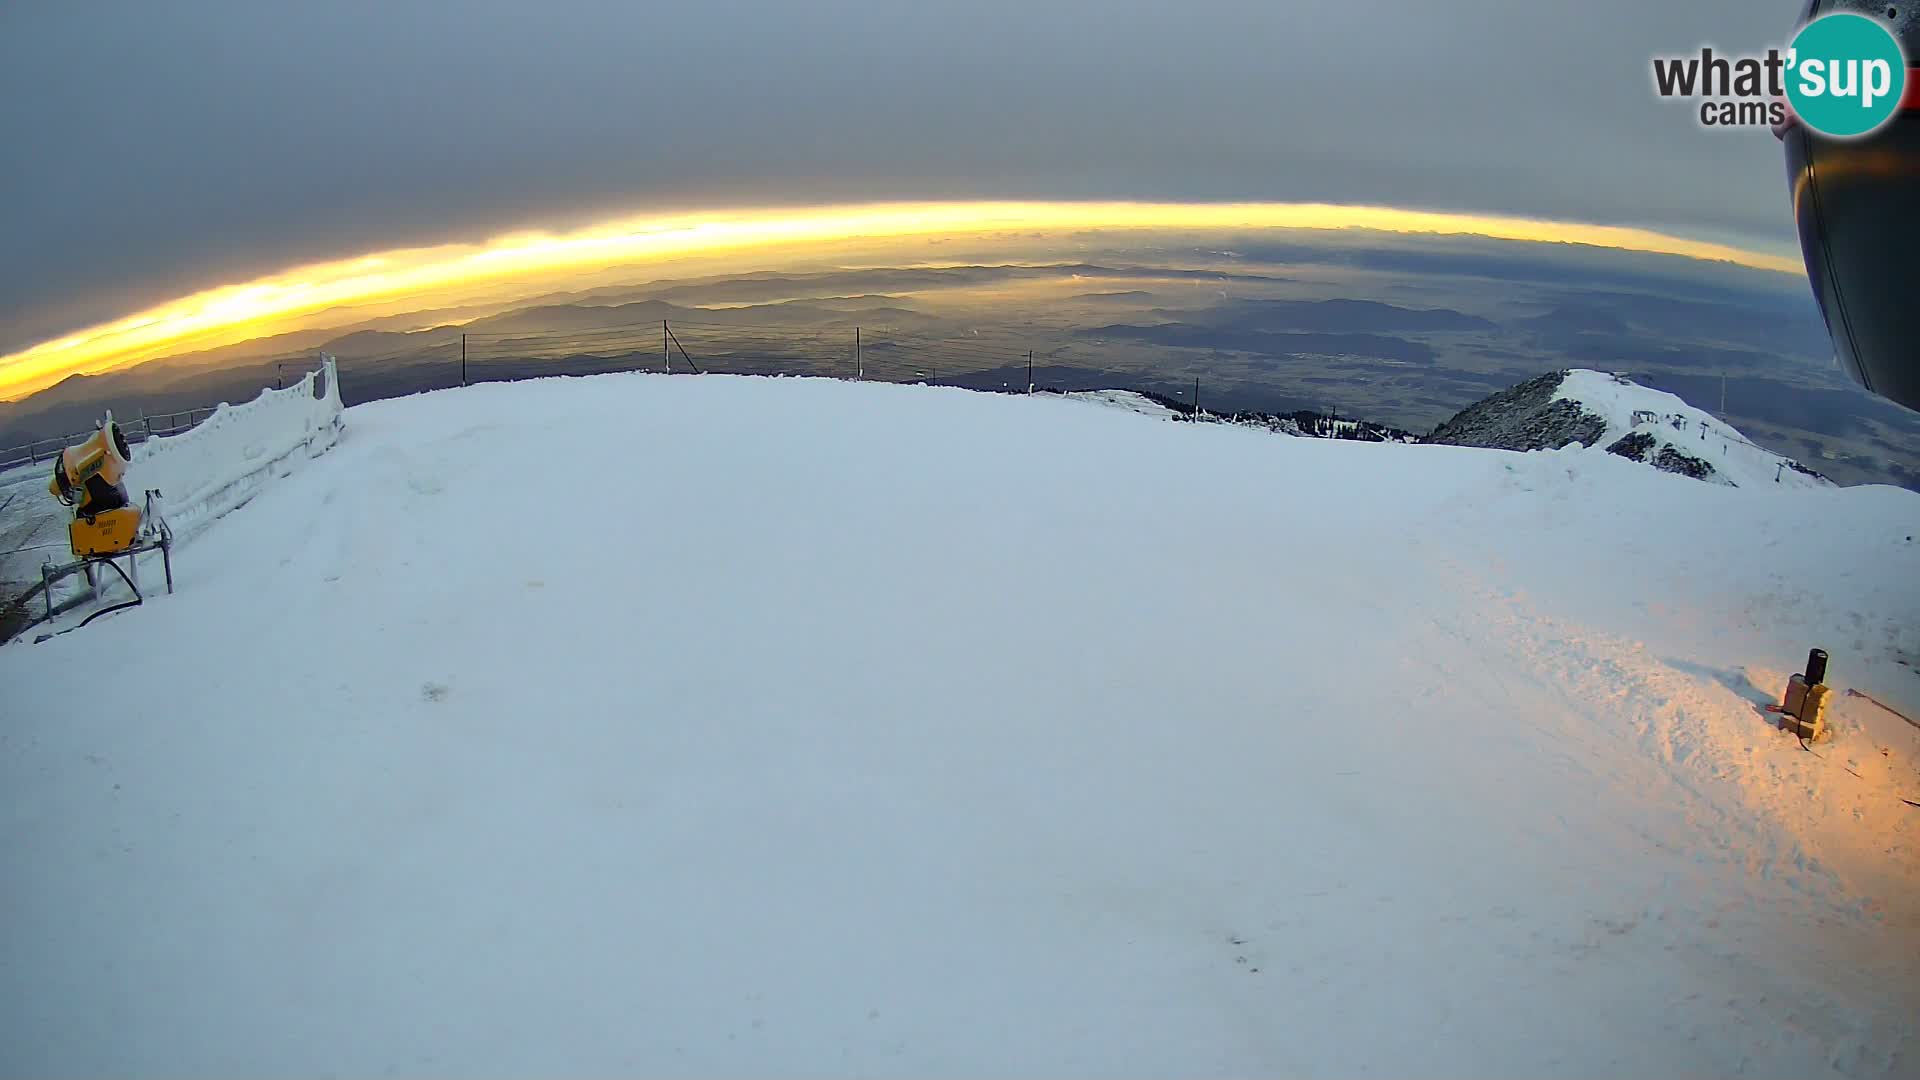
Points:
(1130, 400)
(1668, 421)
(722, 726)
(30, 525)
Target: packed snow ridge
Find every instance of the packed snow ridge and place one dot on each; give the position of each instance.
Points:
(1611, 412)
(714, 726)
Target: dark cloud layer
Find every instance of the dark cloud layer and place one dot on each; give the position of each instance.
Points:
(156, 148)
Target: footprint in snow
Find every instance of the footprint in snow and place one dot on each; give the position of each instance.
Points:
(433, 691)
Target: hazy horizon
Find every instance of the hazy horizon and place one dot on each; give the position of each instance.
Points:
(1398, 330)
(165, 151)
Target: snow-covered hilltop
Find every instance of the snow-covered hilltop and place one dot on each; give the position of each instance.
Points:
(707, 725)
(1612, 413)
(1558, 410)
(1300, 424)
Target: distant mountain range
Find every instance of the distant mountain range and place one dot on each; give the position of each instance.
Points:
(392, 356)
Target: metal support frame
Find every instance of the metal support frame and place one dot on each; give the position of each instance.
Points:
(157, 536)
(90, 568)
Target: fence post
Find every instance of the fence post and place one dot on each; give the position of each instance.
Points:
(463, 359)
(859, 371)
(666, 358)
(1196, 397)
(1029, 371)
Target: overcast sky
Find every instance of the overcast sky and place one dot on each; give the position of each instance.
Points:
(155, 148)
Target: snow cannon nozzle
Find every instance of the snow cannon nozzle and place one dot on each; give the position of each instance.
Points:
(1817, 666)
(87, 476)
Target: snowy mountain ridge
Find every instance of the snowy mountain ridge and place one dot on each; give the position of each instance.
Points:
(1609, 413)
(1573, 408)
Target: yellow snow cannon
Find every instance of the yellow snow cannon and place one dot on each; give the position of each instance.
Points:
(106, 530)
(87, 477)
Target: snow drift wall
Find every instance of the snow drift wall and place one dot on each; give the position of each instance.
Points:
(220, 464)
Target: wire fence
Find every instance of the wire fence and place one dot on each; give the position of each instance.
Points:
(438, 359)
(1006, 359)
(1025, 359)
(1003, 360)
(880, 354)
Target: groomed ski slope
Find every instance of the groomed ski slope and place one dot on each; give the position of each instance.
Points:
(721, 726)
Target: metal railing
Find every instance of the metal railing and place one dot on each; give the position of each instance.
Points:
(137, 431)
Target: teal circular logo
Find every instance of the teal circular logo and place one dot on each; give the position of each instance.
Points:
(1845, 75)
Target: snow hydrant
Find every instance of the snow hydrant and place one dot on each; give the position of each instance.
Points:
(1804, 713)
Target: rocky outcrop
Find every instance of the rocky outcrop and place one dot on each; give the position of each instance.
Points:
(1634, 447)
(1524, 417)
(1639, 446)
(1673, 461)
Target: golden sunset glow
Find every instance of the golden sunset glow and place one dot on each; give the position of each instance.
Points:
(343, 291)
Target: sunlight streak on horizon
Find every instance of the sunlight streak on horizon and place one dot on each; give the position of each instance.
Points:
(432, 276)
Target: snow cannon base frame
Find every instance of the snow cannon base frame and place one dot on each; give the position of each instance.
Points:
(151, 533)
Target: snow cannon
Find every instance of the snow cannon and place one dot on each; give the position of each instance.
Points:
(1804, 712)
(90, 478)
(87, 477)
(1859, 222)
